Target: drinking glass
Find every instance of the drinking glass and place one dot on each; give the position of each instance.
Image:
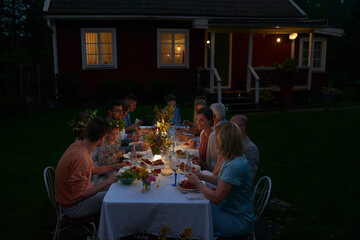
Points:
(174, 164)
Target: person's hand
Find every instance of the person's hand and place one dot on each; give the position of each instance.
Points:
(138, 123)
(195, 160)
(126, 163)
(183, 138)
(138, 130)
(144, 146)
(187, 123)
(192, 143)
(192, 178)
(120, 153)
(112, 178)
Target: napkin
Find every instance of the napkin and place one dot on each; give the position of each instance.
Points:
(194, 196)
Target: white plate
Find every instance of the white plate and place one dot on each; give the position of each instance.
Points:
(184, 189)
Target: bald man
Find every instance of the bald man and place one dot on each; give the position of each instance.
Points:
(250, 149)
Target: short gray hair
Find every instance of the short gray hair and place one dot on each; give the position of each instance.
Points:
(219, 110)
(240, 120)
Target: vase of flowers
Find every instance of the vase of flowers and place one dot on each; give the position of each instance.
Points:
(147, 178)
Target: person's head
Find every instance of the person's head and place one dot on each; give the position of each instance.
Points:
(242, 122)
(204, 118)
(219, 112)
(126, 106)
(228, 140)
(202, 97)
(115, 126)
(114, 109)
(170, 99)
(80, 123)
(133, 101)
(97, 130)
(198, 104)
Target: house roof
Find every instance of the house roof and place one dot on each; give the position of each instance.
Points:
(190, 8)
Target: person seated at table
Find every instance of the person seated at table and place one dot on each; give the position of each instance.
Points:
(219, 113)
(232, 206)
(132, 106)
(79, 124)
(207, 153)
(250, 149)
(74, 191)
(170, 100)
(198, 104)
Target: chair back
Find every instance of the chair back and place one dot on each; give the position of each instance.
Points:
(261, 195)
(49, 179)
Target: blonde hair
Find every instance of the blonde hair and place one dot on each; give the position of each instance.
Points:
(229, 139)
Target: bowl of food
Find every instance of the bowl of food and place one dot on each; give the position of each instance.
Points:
(127, 177)
(186, 186)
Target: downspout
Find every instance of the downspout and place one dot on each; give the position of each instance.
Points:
(212, 63)
(52, 25)
(310, 59)
(248, 83)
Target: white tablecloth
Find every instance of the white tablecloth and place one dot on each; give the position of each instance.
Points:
(127, 211)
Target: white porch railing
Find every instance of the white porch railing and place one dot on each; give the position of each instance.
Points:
(218, 79)
(257, 87)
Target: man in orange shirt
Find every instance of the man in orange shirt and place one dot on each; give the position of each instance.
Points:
(73, 189)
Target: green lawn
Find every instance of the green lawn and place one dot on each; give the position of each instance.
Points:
(311, 157)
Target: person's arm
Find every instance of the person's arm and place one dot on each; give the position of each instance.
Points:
(94, 190)
(215, 196)
(217, 167)
(208, 178)
(100, 170)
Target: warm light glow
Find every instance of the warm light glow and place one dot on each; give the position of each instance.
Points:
(293, 36)
(156, 157)
(178, 48)
(278, 40)
(208, 42)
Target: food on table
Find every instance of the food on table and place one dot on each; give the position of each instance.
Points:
(146, 161)
(180, 152)
(166, 171)
(184, 166)
(187, 185)
(139, 155)
(186, 143)
(128, 176)
(157, 162)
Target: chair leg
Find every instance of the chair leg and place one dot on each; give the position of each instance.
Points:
(57, 229)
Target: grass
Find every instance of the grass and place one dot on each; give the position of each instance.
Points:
(311, 157)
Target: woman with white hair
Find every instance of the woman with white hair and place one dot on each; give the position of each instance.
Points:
(219, 113)
(231, 202)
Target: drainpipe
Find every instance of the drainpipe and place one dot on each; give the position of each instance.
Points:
(248, 83)
(310, 59)
(52, 25)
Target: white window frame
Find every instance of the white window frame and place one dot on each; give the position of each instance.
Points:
(83, 49)
(186, 57)
(323, 51)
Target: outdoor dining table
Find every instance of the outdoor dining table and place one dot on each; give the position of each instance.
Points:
(127, 211)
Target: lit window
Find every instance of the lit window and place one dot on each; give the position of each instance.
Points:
(173, 48)
(319, 53)
(98, 48)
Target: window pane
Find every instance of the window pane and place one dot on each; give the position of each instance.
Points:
(106, 48)
(179, 59)
(317, 64)
(92, 59)
(105, 37)
(306, 45)
(179, 48)
(166, 38)
(91, 48)
(106, 59)
(91, 38)
(318, 46)
(317, 54)
(166, 59)
(166, 48)
(179, 37)
(304, 62)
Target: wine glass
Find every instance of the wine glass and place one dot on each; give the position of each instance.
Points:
(174, 164)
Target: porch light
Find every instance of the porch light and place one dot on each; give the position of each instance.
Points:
(293, 36)
(178, 48)
(208, 44)
(278, 40)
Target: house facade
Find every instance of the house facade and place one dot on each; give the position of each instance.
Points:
(237, 42)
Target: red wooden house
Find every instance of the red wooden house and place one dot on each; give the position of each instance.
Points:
(237, 41)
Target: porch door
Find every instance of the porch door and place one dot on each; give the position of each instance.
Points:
(223, 58)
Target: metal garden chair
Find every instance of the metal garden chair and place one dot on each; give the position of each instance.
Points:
(63, 222)
(261, 197)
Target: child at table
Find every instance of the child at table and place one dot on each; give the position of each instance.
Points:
(170, 99)
(110, 151)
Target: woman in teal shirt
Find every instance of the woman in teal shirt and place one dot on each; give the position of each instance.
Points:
(232, 201)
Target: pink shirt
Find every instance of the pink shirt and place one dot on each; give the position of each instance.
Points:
(203, 146)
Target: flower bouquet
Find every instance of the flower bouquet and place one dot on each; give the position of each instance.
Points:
(147, 178)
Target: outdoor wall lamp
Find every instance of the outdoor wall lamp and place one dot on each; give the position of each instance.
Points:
(293, 36)
(208, 44)
(278, 40)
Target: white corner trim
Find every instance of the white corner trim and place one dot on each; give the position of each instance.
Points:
(46, 5)
(336, 32)
(297, 7)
